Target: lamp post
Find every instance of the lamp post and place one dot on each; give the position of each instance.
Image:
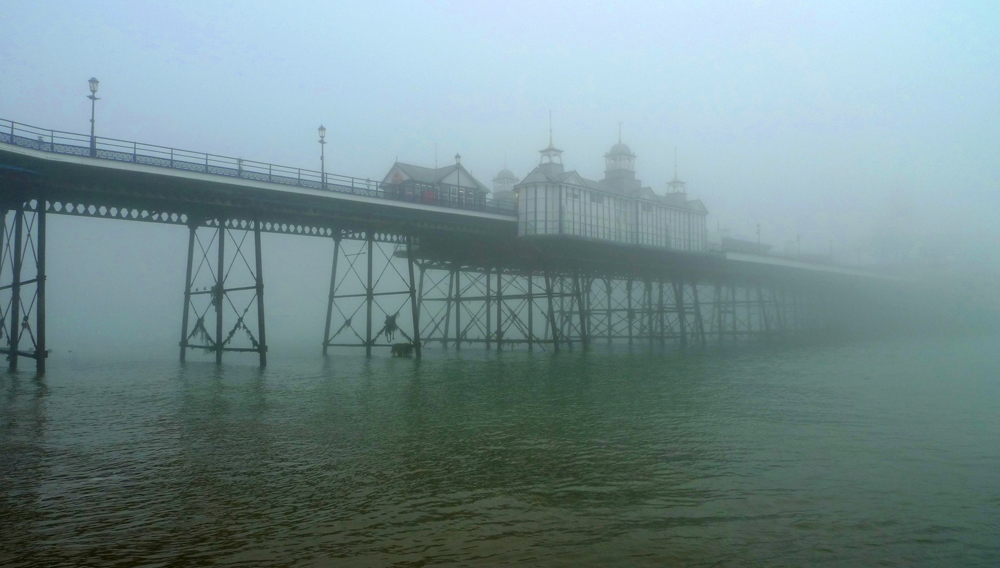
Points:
(93, 107)
(322, 155)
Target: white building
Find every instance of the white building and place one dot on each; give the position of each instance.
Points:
(552, 201)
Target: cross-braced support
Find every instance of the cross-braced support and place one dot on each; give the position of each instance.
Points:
(231, 286)
(368, 276)
(22, 293)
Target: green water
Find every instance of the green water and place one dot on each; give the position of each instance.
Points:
(861, 454)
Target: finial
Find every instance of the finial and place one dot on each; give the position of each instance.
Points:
(458, 159)
(619, 132)
(505, 160)
(675, 162)
(550, 127)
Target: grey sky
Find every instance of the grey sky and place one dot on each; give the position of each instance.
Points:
(819, 120)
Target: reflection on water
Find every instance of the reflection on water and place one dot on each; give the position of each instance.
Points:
(859, 454)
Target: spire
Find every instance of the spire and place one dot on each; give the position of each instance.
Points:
(550, 129)
(676, 185)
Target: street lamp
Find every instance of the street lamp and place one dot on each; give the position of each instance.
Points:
(93, 104)
(322, 155)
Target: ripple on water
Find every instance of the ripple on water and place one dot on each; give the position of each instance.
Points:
(867, 453)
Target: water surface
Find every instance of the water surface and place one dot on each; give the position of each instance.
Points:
(874, 453)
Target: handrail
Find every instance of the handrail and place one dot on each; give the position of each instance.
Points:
(61, 142)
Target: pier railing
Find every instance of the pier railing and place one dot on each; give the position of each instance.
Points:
(100, 147)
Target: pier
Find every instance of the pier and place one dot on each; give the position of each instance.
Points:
(418, 269)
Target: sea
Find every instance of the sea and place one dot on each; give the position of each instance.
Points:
(863, 452)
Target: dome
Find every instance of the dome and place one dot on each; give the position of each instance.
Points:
(620, 149)
(505, 174)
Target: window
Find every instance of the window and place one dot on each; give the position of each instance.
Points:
(574, 194)
(647, 208)
(597, 198)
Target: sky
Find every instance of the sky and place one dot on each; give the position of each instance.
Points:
(843, 123)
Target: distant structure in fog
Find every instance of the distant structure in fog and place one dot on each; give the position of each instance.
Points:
(552, 201)
(503, 185)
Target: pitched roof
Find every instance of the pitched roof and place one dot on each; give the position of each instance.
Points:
(435, 175)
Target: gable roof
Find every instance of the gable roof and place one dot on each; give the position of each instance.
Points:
(432, 175)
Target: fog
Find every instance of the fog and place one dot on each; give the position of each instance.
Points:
(865, 129)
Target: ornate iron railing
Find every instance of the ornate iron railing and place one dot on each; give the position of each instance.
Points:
(100, 147)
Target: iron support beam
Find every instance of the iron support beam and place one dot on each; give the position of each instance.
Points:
(763, 313)
(370, 289)
(489, 300)
(333, 289)
(450, 301)
(552, 314)
(458, 310)
(262, 342)
(582, 316)
(699, 323)
(531, 313)
(40, 352)
(220, 290)
(499, 332)
(661, 316)
(414, 305)
(607, 292)
(630, 314)
(681, 316)
(187, 291)
(15, 290)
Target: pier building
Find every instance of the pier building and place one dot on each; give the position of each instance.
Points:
(552, 201)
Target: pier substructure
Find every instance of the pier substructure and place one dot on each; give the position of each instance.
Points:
(485, 303)
(373, 274)
(22, 281)
(220, 280)
(505, 303)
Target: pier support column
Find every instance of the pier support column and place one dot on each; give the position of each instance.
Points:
(552, 314)
(764, 323)
(333, 290)
(448, 302)
(661, 317)
(369, 295)
(630, 313)
(681, 316)
(414, 303)
(718, 310)
(262, 339)
(607, 292)
(192, 228)
(458, 309)
(531, 315)
(698, 321)
(732, 303)
(499, 332)
(649, 311)
(489, 304)
(14, 331)
(220, 290)
(22, 241)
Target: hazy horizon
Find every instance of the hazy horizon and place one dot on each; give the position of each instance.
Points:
(851, 124)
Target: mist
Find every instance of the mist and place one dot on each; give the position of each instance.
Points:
(868, 132)
(805, 377)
